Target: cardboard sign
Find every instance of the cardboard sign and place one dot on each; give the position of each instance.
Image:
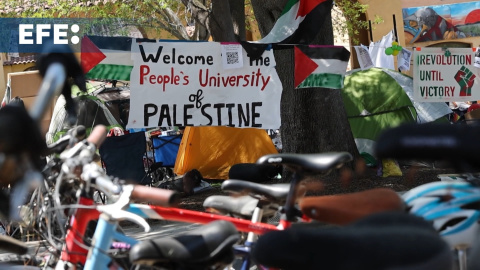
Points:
(443, 75)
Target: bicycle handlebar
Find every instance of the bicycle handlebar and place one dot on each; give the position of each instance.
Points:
(61, 57)
(98, 135)
(54, 69)
(157, 196)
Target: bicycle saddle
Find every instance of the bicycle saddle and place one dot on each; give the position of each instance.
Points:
(456, 144)
(275, 193)
(384, 241)
(308, 163)
(253, 172)
(208, 245)
(341, 209)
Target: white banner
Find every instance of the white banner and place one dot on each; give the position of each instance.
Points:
(186, 84)
(442, 75)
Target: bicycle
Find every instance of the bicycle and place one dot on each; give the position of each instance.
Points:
(74, 251)
(85, 151)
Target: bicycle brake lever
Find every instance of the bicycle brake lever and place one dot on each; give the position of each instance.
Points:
(115, 210)
(71, 152)
(117, 214)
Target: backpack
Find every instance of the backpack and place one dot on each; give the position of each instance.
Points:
(191, 179)
(186, 184)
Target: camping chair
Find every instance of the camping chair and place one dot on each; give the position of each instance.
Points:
(123, 155)
(165, 149)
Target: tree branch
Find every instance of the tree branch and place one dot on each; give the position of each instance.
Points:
(175, 25)
(199, 11)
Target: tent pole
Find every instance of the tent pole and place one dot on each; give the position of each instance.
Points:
(395, 32)
(395, 28)
(370, 30)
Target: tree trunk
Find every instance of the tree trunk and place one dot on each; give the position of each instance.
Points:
(237, 9)
(314, 120)
(221, 26)
(266, 13)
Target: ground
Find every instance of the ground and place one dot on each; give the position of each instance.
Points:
(412, 176)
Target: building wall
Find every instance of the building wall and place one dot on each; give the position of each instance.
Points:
(5, 69)
(385, 10)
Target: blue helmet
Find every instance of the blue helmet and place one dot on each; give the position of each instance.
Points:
(453, 207)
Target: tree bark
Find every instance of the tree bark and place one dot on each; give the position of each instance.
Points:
(237, 9)
(267, 13)
(221, 26)
(314, 120)
(201, 32)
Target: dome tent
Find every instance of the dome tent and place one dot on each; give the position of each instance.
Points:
(376, 99)
(91, 111)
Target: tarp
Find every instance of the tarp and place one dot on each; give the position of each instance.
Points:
(377, 98)
(213, 150)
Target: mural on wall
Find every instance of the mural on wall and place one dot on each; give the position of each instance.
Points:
(442, 22)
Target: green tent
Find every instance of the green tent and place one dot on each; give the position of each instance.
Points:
(376, 99)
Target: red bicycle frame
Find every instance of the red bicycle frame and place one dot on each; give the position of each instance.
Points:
(74, 250)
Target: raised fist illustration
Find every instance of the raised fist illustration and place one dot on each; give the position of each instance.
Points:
(465, 79)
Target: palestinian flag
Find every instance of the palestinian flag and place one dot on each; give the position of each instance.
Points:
(299, 22)
(107, 57)
(320, 66)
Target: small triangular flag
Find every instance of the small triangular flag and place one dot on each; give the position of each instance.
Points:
(304, 66)
(91, 55)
